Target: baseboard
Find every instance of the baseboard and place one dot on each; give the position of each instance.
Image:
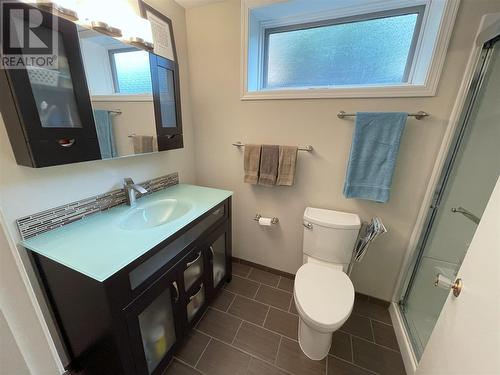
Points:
(264, 268)
(409, 359)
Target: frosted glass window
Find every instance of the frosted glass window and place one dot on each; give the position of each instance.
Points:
(132, 73)
(365, 51)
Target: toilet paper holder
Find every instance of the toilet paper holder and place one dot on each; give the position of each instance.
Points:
(274, 220)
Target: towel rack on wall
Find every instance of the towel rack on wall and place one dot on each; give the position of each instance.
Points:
(419, 115)
(307, 148)
(114, 112)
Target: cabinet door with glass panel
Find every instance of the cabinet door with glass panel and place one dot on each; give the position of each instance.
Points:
(155, 324)
(51, 98)
(167, 102)
(219, 246)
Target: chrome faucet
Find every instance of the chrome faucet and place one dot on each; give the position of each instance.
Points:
(131, 189)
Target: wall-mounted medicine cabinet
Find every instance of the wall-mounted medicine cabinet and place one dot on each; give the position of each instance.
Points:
(103, 99)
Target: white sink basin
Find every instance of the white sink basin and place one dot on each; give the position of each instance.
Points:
(153, 214)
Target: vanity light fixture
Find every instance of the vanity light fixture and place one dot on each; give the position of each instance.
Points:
(139, 42)
(104, 28)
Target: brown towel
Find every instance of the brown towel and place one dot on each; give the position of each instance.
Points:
(142, 144)
(286, 168)
(251, 163)
(269, 165)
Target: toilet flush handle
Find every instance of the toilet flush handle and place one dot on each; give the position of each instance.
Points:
(307, 225)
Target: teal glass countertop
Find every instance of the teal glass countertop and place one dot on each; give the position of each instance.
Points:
(98, 247)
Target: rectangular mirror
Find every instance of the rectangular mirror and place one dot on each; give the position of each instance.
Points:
(119, 80)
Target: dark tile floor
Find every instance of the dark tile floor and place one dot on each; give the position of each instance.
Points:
(251, 329)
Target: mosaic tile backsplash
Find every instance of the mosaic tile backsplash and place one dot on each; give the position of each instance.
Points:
(33, 225)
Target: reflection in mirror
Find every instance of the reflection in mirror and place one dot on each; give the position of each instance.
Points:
(53, 91)
(119, 80)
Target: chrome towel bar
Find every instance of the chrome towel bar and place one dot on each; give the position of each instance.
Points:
(307, 148)
(419, 115)
(469, 215)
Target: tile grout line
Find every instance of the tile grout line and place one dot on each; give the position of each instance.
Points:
(237, 331)
(352, 348)
(290, 304)
(203, 352)
(278, 352)
(267, 314)
(249, 354)
(353, 364)
(270, 286)
(374, 343)
(237, 317)
(184, 363)
(256, 292)
(229, 306)
(372, 331)
(255, 300)
(371, 318)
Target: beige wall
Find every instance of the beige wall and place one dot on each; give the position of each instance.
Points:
(20, 328)
(220, 118)
(26, 190)
(11, 359)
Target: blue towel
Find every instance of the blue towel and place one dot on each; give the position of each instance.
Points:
(374, 149)
(105, 136)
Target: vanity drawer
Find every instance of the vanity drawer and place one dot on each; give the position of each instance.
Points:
(195, 303)
(194, 266)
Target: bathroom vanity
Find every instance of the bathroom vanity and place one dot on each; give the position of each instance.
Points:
(126, 285)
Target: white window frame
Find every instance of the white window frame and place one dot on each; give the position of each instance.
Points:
(430, 50)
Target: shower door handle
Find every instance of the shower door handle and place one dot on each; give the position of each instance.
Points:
(469, 215)
(445, 283)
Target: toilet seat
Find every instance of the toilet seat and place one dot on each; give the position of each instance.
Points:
(324, 296)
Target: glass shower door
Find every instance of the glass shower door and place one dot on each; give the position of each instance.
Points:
(469, 177)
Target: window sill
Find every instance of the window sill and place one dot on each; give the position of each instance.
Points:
(341, 92)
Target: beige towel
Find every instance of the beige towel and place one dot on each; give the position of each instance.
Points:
(269, 158)
(286, 168)
(251, 163)
(142, 144)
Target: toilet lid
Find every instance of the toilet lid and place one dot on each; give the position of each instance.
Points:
(324, 296)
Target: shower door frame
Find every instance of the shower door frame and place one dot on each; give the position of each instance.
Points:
(475, 85)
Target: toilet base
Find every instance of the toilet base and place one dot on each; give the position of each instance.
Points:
(313, 343)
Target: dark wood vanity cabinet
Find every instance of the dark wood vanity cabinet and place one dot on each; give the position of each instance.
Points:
(47, 110)
(132, 322)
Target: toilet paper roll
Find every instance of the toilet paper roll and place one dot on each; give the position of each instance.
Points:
(266, 221)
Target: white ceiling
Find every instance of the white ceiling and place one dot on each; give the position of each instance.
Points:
(196, 3)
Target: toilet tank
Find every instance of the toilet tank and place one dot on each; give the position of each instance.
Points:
(330, 235)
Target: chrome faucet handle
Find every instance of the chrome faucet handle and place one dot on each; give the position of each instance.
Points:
(128, 181)
(130, 190)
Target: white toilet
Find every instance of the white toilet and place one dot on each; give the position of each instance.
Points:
(324, 294)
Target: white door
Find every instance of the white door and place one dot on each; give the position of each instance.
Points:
(466, 338)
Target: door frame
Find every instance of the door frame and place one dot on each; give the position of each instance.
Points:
(488, 23)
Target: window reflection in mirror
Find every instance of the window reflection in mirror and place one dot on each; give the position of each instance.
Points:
(119, 80)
